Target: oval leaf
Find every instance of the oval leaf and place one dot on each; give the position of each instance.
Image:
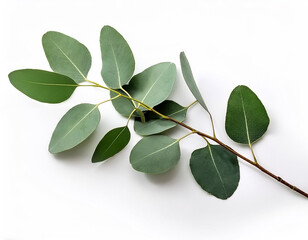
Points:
(112, 143)
(43, 86)
(190, 81)
(67, 56)
(117, 57)
(216, 170)
(122, 105)
(155, 154)
(155, 124)
(74, 127)
(246, 119)
(153, 85)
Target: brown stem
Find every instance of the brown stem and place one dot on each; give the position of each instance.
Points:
(279, 179)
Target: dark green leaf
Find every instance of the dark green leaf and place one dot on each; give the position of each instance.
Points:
(74, 127)
(190, 81)
(155, 124)
(155, 154)
(112, 143)
(153, 85)
(117, 57)
(246, 119)
(66, 55)
(43, 86)
(216, 170)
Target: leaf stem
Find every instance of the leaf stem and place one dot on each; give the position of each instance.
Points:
(130, 115)
(191, 104)
(192, 132)
(107, 100)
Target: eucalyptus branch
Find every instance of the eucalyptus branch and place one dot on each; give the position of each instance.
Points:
(214, 167)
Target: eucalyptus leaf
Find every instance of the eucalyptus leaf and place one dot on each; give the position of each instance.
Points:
(246, 119)
(216, 170)
(112, 143)
(190, 81)
(66, 55)
(153, 85)
(117, 57)
(155, 154)
(43, 86)
(122, 105)
(155, 124)
(74, 127)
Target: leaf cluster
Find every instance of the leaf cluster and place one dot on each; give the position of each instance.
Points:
(142, 97)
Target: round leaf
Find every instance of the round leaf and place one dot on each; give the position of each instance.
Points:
(74, 127)
(155, 154)
(246, 119)
(112, 143)
(66, 55)
(117, 57)
(216, 170)
(43, 86)
(155, 124)
(153, 85)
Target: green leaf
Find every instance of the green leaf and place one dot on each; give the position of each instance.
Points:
(153, 85)
(66, 55)
(155, 124)
(122, 105)
(43, 86)
(74, 127)
(155, 154)
(216, 170)
(112, 143)
(117, 57)
(246, 119)
(190, 81)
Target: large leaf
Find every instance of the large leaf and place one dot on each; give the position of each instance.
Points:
(190, 81)
(246, 119)
(155, 154)
(112, 143)
(66, 55)
(74, 127)
(216, 170)
(117, 57)
(155, 124)
(153, 85)
(43, 86)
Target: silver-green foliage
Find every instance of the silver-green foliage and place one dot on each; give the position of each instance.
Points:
(143, 97)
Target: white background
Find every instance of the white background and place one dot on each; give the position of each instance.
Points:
(262, 44)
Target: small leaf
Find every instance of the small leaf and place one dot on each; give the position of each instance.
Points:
(216, 170)
(155, 124)
(74, 127)
(190, 81)
(122, 105)
(153, 85)
(155, 154)
(66, 55)
(43, 86)
(112, 143)
(117, 57)
(246, 119)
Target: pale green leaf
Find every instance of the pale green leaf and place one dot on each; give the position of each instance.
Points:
(190, 81)
(74, 127)
(66, 55)
(117, 57)
(155, 154)
(216, 170)
(153, 85)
